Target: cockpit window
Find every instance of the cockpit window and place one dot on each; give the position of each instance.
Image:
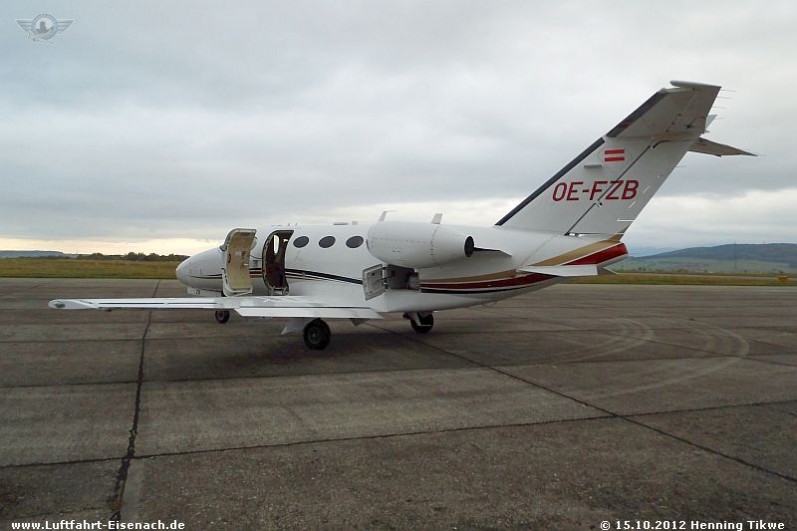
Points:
(326, 241)
(301, 241)
(354, 242)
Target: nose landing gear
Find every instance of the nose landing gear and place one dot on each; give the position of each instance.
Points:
(422, 323)
(222, 316)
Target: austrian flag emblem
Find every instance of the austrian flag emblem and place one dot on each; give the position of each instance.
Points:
(614, 155)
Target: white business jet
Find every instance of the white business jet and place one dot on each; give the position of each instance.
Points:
(571, 226)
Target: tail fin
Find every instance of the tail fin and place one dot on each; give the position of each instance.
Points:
(603, 190)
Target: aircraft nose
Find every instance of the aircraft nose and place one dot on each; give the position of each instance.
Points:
(182, 271)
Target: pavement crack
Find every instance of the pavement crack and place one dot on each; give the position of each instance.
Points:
(124, 468)
(711, 450)
(378, 436)
(613, 414)
(628, 418)
(711, 408)
(54, 463)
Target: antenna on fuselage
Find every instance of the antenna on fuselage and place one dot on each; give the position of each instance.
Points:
(384, 214)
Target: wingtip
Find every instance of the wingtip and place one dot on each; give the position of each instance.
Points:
(61, 304)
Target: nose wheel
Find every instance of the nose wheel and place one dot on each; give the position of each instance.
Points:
(422, 323)
(222, 316)
(317, 334)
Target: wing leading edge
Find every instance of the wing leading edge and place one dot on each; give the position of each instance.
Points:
(267, 307)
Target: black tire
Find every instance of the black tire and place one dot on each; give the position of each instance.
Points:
(424, 324)
(222, 316)
(317, 334)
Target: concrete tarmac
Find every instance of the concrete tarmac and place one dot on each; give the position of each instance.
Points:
(559, 409)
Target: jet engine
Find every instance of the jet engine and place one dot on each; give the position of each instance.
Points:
(417, 245)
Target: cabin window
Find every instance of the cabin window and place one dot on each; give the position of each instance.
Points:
(301, 241)
(326, 241)
(354, 242)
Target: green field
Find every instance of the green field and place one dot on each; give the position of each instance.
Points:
(686, 279)
(703, 265)
(70, 268)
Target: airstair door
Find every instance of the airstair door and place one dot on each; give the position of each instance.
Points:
(235, 271)
(274, 262)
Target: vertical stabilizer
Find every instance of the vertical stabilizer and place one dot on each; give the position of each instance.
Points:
(603, 190)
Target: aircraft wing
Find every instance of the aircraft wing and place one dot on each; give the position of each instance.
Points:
(250, 306)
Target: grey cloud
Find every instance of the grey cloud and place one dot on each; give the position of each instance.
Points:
(183, 118)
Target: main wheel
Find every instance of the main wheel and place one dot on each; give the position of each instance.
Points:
(222, 316)
(424, 324)
(317, 334)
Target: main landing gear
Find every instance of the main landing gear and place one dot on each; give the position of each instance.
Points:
(422, 323)
(317, 334)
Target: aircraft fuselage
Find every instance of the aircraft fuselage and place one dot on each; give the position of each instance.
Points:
(327, 262)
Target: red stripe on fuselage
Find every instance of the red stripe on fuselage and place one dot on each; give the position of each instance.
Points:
(615, 251)
(500, 283)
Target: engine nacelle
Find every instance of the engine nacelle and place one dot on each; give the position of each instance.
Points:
(417, 245)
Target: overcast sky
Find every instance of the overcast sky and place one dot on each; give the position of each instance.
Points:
(158, 126)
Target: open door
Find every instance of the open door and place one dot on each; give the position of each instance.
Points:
(235, 271)
(373, 281)
(381, 277)
(274, 262)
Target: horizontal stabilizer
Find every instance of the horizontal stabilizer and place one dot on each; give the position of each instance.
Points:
(587, 270)
(714, 148)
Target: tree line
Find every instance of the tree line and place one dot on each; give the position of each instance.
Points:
(134, 257)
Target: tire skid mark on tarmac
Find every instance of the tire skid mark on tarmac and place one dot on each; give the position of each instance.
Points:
(632, 334)
(713, 336)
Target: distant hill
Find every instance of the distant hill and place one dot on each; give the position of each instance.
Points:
(731, 258)
(34, 254)
(649, 251)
